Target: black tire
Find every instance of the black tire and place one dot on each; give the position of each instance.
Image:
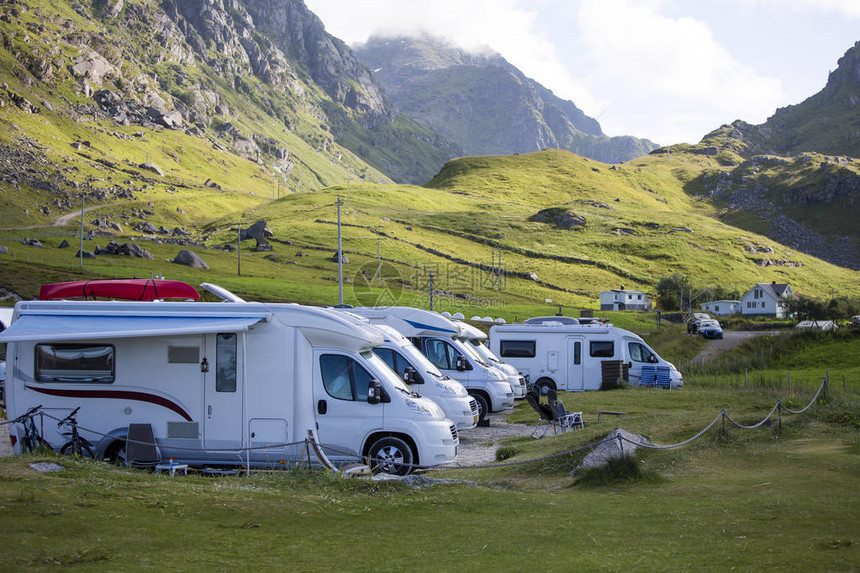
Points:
(115, 454)
(544, 385)
(34, 444)
(82, 450)
(391, 456)
(483, 406)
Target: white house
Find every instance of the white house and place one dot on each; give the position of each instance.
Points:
(622, 299)
(764, 300)
(722, 307)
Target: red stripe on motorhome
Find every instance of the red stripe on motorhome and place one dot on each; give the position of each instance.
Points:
(115, 395)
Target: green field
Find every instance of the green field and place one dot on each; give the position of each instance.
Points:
(777, 497)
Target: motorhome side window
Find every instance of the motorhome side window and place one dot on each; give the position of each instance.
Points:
(225, 363)
(75, 363)
(344, 378)
(438, 353)
(394, 360)
(517, 348)
(602, 348)
(640, 353)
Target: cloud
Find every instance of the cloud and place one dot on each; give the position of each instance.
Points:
(849, 8)
(658, 65)
(506, 26)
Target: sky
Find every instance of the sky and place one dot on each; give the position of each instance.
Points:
(667, 70)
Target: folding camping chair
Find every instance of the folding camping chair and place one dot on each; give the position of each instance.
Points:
(546, 418)
(648, 377)
(663, 377)
(140, 448)
(565, 419)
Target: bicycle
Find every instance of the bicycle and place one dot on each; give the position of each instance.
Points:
(31, 440)
(77, 446)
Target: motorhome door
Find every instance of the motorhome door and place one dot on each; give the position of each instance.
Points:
(575, 376)
(342, 411)
(222, 381)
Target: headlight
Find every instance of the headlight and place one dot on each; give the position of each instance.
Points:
(419, 408)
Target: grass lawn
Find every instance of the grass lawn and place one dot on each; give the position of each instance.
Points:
(774, 498)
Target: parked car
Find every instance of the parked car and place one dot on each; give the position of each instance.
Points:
(710, 329)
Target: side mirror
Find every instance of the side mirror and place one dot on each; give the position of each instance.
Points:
(652, 359)
(410, 376)
(462, 363)
(374, 392)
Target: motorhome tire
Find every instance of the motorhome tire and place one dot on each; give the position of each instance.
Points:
(391, 456)
(544, 385)
(83, 450)
(115, 454)
(483, 406)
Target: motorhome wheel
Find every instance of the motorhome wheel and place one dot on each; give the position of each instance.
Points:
(483, 406)
(544, 385)
(391, 456)
(115, 454)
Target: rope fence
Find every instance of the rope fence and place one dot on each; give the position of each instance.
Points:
(311, 443)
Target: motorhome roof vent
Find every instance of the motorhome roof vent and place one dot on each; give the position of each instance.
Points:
(549, 320)
(458, 316)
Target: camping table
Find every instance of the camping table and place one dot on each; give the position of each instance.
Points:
(172, 468)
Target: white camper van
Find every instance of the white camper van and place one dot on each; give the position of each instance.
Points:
(566, 355)
(220, 383)
(422, 376)
(478, 340)
(440, 340)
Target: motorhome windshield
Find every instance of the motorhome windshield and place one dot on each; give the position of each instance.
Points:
(484, 351)
(386, 374)
(468, 348)
(414, 356)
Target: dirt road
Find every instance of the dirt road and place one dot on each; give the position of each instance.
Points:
(62, 220)
(730, 339)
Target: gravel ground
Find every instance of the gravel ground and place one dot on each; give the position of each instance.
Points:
(478, 445)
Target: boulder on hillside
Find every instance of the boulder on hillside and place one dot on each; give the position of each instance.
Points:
(149, 166)
(345, 259)
(559, 217)
(85, 254)
(63, 245)
(124, 249)
(3, 250)
(190, 259)
(618, 443)
(261, 232)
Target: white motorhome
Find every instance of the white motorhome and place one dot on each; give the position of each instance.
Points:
(422, 376)
(566, 355)
(440, 340)
(478, 340)
(5, 321)
(220, 383)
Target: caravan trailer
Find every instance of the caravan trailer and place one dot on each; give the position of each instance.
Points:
(478, 340)
(440, 340)
(220, 383)
(566, 355)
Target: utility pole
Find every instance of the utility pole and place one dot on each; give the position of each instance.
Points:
(379, 261)
(431, 291)
(339, 256)
(81, 253)
(492, 268)
(500, 270)
(239, 251)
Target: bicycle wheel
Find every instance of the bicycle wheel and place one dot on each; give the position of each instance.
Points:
(77, 450)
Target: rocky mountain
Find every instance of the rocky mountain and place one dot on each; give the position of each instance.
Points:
(484, 103)
(827, 122)
(253, 75)
(796, 177)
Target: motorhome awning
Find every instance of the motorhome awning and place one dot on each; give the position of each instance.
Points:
(46, 328)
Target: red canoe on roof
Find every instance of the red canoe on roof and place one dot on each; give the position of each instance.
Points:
(124, 289)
